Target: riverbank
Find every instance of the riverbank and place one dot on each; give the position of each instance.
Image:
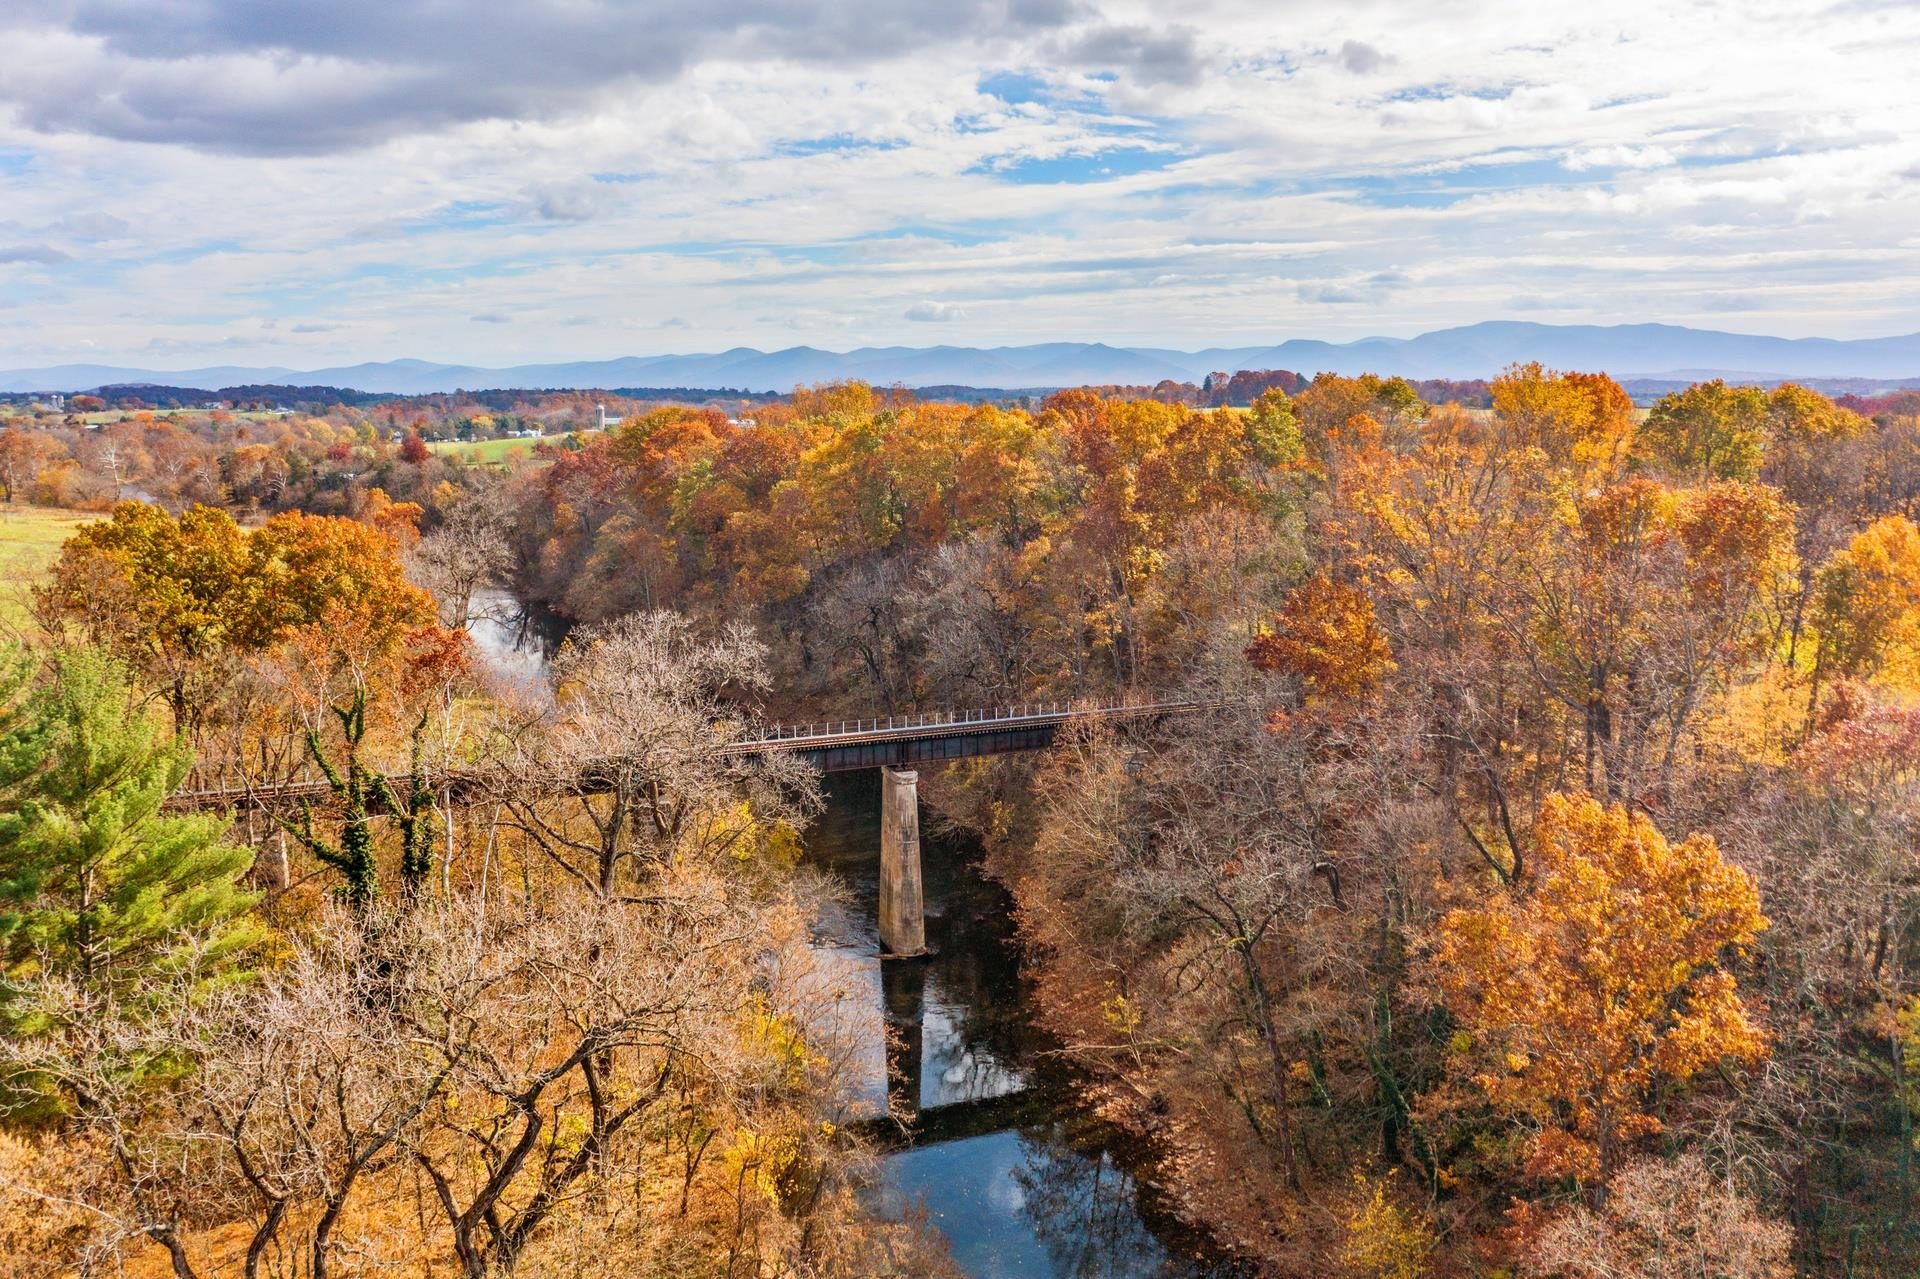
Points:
(1207, 1169)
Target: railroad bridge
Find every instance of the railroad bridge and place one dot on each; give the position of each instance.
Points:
(894, 744)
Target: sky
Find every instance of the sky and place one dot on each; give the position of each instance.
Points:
(303, 184)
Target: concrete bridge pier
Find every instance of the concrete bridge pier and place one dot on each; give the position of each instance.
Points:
(903, 909)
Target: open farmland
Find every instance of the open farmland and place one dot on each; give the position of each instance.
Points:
(30, 538)
(496, 452)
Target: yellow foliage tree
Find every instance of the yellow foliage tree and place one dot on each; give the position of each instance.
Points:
(1607, 976)
(1709, 428)
(1580, 418)
(1384, 1240)
(1867, 606)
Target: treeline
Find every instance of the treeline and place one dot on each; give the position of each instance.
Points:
(476, 414)
(324, 464)
(1904, 403)
(906, 553)
(1232, 390)
(252, 395)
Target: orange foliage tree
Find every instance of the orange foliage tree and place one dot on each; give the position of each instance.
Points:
(176, 597)
(1645, 600)
(1326, 634)
(1582, 418)
(1608, 976)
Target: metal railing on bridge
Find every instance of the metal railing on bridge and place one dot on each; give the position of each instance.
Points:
(970, 720)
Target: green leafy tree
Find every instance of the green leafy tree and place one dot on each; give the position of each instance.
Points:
(96, 884)
(1272, 432)
(1709, 427)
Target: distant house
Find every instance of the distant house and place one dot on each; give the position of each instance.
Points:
(606, 421)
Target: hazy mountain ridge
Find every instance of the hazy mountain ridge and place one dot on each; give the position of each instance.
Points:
(1475, 350)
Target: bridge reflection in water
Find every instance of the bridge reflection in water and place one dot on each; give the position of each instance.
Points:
(997, 1149)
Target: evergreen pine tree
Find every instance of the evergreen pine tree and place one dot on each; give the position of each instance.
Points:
(96, 884)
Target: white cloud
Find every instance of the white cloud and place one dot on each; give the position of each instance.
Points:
(1619, 157)
(232, 76)
(174, 344)
(91, 224)
(935, 312)
(573, 202)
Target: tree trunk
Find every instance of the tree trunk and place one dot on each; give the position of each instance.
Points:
(257, 1247)
(1262, 1008)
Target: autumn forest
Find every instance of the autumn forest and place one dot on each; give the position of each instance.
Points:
(1534, 892)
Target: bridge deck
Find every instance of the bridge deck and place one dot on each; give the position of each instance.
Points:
(900, 740)
(831, 746)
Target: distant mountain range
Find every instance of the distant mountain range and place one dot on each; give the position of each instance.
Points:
(1474, 350)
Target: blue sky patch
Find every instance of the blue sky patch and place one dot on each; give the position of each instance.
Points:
(460, 214)
(1445, 189)
(1016, 89)
(1095, 166)
(835, 144)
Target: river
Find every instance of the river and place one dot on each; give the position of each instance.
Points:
(1006, 1161)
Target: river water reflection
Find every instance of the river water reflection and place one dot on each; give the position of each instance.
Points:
(1023, 1183)
(1007, 1165)
(513, 640)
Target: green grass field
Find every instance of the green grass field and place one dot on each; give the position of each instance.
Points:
(30, 538)
(485, 452)
(492, 452)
